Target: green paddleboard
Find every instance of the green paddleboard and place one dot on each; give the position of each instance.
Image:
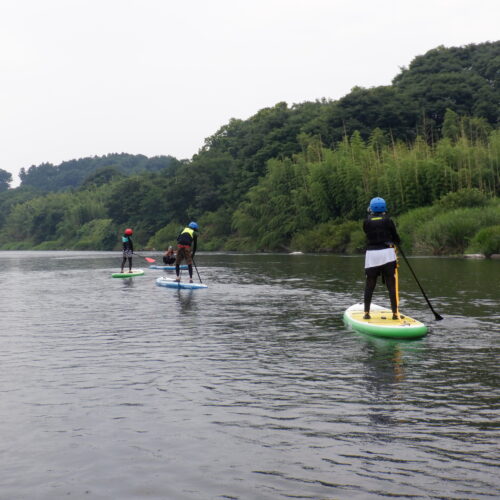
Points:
(135, 272)
(381, 323)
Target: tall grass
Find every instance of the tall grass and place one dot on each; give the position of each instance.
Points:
(486, 241)
(452, 231)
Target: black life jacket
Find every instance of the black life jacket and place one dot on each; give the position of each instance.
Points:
(380, 231)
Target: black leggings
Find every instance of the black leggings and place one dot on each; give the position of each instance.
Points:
(388, 272)
(178, 270)
(129, 262)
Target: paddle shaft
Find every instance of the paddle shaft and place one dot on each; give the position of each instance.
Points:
(197, 271)
(436, 315)
(149, 259)
(396, 276)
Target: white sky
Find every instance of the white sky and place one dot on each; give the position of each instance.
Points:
(90, 77)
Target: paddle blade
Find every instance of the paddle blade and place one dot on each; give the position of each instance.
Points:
(149, 259)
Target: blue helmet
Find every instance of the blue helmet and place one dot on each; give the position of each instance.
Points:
(193, 225)
(377, 205)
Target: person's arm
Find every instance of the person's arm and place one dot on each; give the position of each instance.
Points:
(131, 244)
(395, 236)
(195, 242)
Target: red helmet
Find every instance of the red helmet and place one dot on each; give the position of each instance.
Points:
(129, 231)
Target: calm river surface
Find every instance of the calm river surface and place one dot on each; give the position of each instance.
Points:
(250, 389)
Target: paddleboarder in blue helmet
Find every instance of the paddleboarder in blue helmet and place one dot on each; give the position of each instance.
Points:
(380, 257)
(128, 248)
(186, 248)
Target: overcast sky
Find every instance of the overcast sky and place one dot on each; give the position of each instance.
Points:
(156, 77)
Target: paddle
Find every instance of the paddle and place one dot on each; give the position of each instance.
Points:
(149, 259)
(197, 271)
(436, 315)
(396, 276)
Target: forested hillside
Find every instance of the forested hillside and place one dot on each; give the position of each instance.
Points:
(74, 173)
(297, 177)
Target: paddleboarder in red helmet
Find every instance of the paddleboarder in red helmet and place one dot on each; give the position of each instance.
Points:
(128, 248)
(380, 257)
(186, 248)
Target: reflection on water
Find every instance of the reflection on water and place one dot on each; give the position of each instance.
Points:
(184, 298)
(252, 388)
(127, 282)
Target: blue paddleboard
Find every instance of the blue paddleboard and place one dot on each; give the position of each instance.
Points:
(170, 283)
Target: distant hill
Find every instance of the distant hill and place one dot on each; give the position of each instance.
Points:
(465, 80)
(97, 169)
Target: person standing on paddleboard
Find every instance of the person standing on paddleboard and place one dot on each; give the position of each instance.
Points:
(380, 258)
(128, 248)
(187, 238)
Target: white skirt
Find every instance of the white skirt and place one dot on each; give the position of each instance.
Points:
(375, 258)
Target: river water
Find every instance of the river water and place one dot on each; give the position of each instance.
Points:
(250, 389)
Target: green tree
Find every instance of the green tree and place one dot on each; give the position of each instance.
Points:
(451, 125)
(5, 180)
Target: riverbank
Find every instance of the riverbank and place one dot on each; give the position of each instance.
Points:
(495, 256)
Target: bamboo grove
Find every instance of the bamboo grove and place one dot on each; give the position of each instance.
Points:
(308, 202)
